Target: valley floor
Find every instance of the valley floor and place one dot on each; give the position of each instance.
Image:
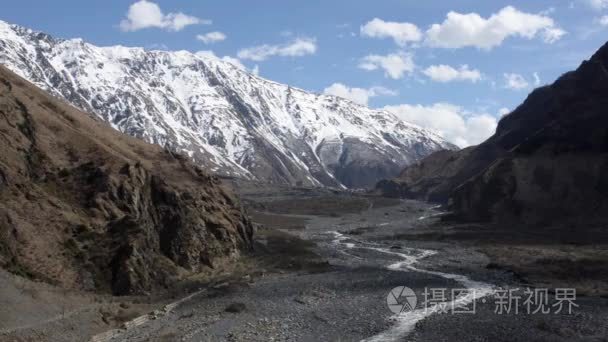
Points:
(322, 269)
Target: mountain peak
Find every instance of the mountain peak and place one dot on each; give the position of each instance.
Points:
(221, 116)
(601, 54)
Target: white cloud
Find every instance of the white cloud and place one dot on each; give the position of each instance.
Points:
(401, 33)
(256, 70)
(451, 122)
(479, 128)
(445, 73)
(603, 20)
(206, 54)
(503, 111)
(597, 5)
(551, 35)
(234, 61)
(357, 95)
(515, 81)
(145, 14)
(296, 48)
(299, 47)
(211, 37)
(395, 65)
(536, 79)
(462, 30)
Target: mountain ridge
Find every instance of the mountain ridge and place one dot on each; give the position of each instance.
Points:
(226, 119)
(546, 163)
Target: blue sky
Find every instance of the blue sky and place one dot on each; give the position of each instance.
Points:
(451, 72)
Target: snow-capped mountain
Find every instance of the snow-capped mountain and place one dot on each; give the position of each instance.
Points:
(221, 116)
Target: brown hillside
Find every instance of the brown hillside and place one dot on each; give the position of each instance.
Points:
(84, 206)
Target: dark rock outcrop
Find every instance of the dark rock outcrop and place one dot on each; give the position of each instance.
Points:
(546, 162)
(84, 206)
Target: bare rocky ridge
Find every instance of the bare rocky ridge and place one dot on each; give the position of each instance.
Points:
(425, 180)
(86, 207)
(547, 161)
(221, 116)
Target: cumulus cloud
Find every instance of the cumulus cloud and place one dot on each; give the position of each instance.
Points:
(503, 111)
(357, 95)
(256, 70)
(145, 14)
(479, 128)
(211, 37)
(463, 30)
(515, 81)
(401, 33)
(445, 73)
(295, 48)
(603, 20)
(395, 65)
(452, 122)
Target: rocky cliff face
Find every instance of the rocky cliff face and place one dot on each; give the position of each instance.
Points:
(221, 116)
(547, 161)
(87, 207)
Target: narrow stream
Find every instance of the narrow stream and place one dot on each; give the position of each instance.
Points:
(408, 257)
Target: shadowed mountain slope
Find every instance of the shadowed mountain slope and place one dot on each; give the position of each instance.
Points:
(547, 161)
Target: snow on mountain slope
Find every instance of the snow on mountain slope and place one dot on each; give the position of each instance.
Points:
(221, 116)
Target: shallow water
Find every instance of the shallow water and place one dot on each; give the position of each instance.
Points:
(405, 322)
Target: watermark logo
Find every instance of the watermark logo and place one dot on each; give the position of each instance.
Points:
(506, 301)
(401, 299)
